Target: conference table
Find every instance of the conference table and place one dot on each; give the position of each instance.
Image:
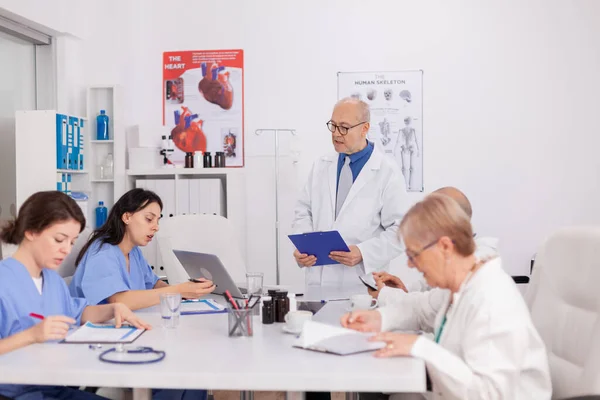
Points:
(200, 355)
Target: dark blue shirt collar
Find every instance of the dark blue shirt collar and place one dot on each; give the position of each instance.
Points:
(360, 154)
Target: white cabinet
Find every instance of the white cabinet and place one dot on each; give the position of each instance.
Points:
(219, 191)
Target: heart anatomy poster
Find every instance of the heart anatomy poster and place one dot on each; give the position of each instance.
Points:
(396, 102)
(203, 103)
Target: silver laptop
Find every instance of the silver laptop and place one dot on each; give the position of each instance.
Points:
(208, 266)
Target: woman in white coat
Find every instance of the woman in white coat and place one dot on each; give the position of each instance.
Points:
(367, 215)
(485, 345)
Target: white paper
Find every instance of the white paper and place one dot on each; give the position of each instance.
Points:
(332, 339)
(97, 333)
(204, 305)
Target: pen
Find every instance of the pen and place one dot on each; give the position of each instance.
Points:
(38, 316)
(233, 303)
(325, 301)
(248, 301)
(197, 281)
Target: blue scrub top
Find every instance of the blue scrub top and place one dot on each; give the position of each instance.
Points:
(102, 272)
(19, 297)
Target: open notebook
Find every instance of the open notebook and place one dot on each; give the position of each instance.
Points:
(100, 333)
(336, 340)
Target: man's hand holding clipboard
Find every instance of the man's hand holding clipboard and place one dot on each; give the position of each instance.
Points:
(322, 248)
(349, 258)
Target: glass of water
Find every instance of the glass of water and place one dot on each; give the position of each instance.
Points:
(170, 309)
(254, 283)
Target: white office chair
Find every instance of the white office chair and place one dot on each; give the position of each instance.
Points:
(67, 267)
(564, 300)
(210, 234)
(7, 250)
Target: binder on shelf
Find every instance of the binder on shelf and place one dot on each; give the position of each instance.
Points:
(59, 182)
(63, 182)
(74, 125)
(81, 144)
(68, 186)
(194, 197)
(183, 197)
(70, 142)
(61, 142)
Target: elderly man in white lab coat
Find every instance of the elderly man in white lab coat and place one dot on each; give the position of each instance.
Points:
(356, 191)
(391, 289)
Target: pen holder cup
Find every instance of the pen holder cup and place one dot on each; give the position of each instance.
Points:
(240, 323)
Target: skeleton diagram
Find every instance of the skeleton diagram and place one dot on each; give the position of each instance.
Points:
(406, 143)
(384, 127)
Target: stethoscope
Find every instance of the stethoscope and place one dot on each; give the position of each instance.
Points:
(120, 349)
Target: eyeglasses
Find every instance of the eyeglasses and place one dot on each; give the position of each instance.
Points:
(412, 256)
(342, 129)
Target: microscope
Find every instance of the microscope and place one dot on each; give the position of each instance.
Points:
(167, 150)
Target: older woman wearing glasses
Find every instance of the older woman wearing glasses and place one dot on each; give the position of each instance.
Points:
(356, 191)
(484, 344)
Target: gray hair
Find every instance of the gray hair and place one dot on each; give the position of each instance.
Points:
(363, 108)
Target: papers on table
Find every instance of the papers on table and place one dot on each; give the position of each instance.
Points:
(336, 340)
(101, 333)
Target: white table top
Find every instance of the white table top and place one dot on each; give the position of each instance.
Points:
(200, 355)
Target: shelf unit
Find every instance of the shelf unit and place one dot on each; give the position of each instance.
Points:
(105, 97)
(232, 179)
(234, 190)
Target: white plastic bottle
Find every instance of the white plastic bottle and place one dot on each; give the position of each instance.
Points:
(109, 167)
(293, 303)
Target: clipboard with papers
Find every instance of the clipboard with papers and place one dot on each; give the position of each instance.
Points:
(103, 334)
(201, 306)
(319, 244)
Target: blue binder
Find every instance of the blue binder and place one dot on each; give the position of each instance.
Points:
(319, 244)
(70, 140)
(81, 142)
(61, 141)
(74, 128)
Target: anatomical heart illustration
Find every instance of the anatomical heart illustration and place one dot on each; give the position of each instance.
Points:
(187, 134)
(215, 86)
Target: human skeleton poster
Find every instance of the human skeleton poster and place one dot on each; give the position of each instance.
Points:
(396, 102)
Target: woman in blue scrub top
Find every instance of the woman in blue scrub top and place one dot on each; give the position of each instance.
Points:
(45, 229)
(111, 267)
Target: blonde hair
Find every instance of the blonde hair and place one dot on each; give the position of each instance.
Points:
(438, 215)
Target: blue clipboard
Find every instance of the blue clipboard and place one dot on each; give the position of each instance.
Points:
(212, 307)
(320, 244)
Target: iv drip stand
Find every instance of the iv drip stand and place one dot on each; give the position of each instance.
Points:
(276, 133)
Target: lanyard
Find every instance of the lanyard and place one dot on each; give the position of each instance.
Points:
(438, 334)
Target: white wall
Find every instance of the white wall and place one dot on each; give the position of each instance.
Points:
(510, 94)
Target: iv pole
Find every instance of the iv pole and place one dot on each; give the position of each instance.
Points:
(276, 133)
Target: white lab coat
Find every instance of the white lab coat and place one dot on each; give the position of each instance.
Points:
(489, 348)
(485, 247)
(369, 217)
